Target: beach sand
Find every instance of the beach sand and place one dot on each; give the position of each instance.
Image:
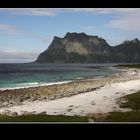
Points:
(102, 99)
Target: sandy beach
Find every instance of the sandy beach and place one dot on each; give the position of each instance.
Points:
(83, 97)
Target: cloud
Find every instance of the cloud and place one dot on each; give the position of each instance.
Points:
(128, 22)
(13, 30)
(32, 11)
(122, 11)
(123, 18)
(9, 29)
(56, 11)
(16, 55)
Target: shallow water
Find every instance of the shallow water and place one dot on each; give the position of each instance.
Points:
(25, 75)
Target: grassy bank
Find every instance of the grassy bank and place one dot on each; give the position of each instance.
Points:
(132, 101)
(129, 65)
(42, 118)
(130, 116)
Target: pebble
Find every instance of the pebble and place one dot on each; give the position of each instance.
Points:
(17, 97)
(43, 113)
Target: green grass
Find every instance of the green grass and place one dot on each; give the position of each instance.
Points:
(133, 101)
(42, 118)
(131, 116)
(129, 65)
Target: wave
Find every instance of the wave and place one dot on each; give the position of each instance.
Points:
(33, 84)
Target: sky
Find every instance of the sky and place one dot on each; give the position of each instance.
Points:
(26, 32)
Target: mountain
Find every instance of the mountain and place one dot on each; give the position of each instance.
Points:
(82, 48)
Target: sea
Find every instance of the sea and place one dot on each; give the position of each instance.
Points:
(14, 76)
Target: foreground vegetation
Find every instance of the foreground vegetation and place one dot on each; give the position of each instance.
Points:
(130, 116)
(132, 101)
(129, 65)
(42, 118)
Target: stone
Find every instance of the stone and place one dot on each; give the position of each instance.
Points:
(14, 113)
(43, 113)
(69, 109)
(93, 103)
(71, 106)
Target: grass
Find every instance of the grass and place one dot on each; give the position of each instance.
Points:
(130, 116)
(132, 101)
(129, 65)
(43, 118)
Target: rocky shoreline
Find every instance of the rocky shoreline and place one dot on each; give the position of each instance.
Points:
(14, 97)
(17, 97)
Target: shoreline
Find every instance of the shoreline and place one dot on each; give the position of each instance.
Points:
(42, 84)
(85, 104)
(38, 85)
(81, 97)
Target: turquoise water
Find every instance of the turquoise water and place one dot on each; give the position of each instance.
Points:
(23, 75)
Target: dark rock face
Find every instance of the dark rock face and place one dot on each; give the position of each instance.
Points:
(82, 48)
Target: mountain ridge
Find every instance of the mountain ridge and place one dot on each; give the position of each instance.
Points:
(80, 47)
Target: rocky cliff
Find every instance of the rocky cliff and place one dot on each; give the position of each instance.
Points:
(82, 48)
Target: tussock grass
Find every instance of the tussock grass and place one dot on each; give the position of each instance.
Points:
(130, 116)
(129, 65)
(42, 118)
(132, 101)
